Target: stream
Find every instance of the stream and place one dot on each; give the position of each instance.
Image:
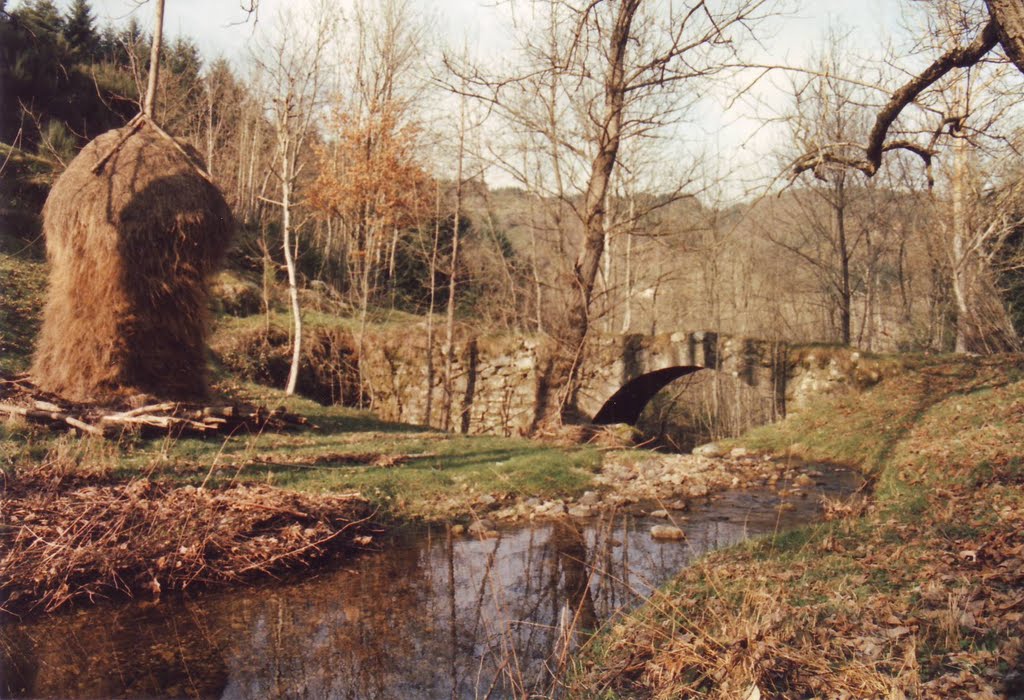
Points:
(429, 616)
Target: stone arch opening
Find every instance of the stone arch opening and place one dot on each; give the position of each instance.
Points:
(626, 404)
(677, 408)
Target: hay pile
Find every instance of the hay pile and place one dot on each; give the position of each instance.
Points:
(133, 231)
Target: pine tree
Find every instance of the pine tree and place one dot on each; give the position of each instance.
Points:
(80, 32)
(42, 19)
(132, 45)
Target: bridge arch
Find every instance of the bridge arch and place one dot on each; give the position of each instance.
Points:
(626, 372)
(626, 404)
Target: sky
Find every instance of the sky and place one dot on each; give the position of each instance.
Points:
(223, 28)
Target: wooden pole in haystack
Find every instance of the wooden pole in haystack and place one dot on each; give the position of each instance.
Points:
(149, 105)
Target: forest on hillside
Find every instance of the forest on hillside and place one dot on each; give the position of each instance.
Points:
(418, 179)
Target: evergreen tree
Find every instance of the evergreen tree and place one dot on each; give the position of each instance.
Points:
(108, 44)
(132, 46)
(41, 19)
(33, 62)
(183, 59)
(80, 32)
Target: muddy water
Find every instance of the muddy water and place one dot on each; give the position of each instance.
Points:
(432, 616)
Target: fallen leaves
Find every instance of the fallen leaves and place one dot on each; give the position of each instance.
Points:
(74, 542)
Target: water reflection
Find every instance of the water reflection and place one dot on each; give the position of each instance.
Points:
(432, 617)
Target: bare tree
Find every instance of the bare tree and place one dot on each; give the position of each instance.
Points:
(294, 63)
(1004, 28)
(599, 75)
(149, 104)
(457, 218)
(967, 33)
(834, 209)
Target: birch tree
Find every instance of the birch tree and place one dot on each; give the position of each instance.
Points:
(294, 63)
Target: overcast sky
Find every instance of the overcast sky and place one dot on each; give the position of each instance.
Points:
(222, 28)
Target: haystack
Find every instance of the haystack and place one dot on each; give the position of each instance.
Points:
(133, 229)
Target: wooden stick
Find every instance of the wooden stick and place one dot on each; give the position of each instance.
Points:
(149, 106)
(191, 161)
(157, 422)
(56, 416)
(130, 128)
(151, 408)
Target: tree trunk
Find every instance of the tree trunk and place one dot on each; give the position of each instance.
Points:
(538, 289)
(209, 130)
(562, 382)
(449, 358)
(960, 267)
(845, 294)
(289, 260)
(429, 407)
(1009, 14)
(627, 312)
(149, 105)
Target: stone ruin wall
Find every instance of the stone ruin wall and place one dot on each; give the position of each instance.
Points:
(497, 377)
(494, 390)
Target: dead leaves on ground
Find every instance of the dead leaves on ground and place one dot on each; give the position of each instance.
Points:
(81, 541)
(902, 611)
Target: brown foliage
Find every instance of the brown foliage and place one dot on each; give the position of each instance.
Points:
(68, 537)
(130, 249)
(372, 178)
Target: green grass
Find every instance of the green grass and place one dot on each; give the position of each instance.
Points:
(22, 288)
(431, 474)
(408, 471)
(379, 319)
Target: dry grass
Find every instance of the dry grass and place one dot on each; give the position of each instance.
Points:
(919, 594)
(70, 534)
(130, 250)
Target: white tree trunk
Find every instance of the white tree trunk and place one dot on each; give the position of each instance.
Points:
(289, 260)
(960, 268)
(449, 360)
(149, 105)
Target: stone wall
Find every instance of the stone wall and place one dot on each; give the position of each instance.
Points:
(815, 371)
(615, 360)
(497, 378)
(494, 389)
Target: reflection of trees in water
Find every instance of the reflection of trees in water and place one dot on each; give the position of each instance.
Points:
(344, 636)
(536, 594)
(106, 653)
(362, 637)
(444, 617)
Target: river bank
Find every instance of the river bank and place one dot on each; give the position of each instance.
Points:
(429, 614)
(85, 520)
(917, 591)
(917, 594)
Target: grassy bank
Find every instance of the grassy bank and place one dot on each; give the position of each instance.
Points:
(918, 592)
(22, 282)
(105, 500)
(84, 518)
(405, 471)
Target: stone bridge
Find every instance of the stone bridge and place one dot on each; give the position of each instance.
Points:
(625, 372)
(498, 379)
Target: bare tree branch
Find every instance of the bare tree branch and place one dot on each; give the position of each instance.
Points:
(877, 146)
